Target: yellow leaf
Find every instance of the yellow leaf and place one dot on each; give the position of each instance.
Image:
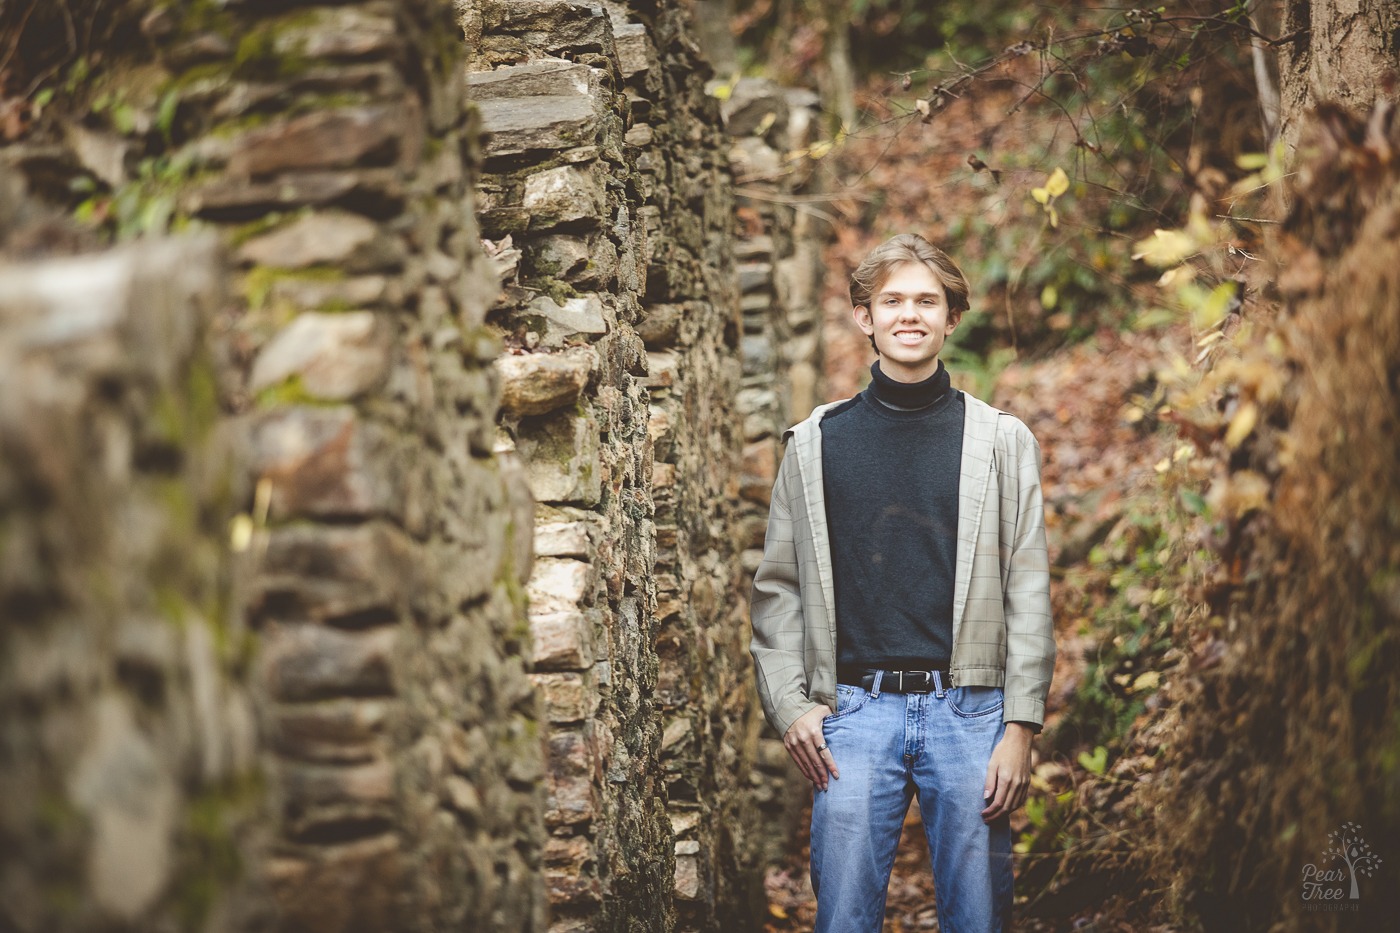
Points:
(1048, 296)
(777, 912)
(1040, 194)
(1164, 248)
(1054, 217)
(723, 90)
(1146, 681)
(240, 533)
(1241, 424)
(1252, 161)
(1212, 310)
(820, 149)
(1058, 183)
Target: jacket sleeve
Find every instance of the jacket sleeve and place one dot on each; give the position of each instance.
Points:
(775, 607)
(1030, 628)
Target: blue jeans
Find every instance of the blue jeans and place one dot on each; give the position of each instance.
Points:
(888, 746)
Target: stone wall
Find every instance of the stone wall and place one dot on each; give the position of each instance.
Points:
(608, 183)
(398, 737)
(780, 273)
(471, 668)
(128, 753)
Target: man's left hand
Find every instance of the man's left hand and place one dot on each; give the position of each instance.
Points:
(1008, 773)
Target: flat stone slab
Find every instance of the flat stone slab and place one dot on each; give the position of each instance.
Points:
(516, 125)
(536, 79)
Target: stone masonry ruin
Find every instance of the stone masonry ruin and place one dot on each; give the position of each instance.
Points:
(377, 556)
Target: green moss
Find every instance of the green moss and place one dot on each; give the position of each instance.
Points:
(172, 605)
(200, 16)
(258, 58)
(168, 415)
(515, 593)
(557, 289)
(202, 397)
(208, 71)
(258, 283)
(290, 391)
(210, 861)
(64, 896)
(56, 813)
(242, 233)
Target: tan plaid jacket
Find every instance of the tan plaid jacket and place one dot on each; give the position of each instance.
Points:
(1003, 635)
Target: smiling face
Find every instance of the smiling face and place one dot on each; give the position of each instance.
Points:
(908, 320)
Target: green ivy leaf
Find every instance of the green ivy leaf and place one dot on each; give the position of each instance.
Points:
(1095, 763)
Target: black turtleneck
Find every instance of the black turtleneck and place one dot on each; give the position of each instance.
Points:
(909, 394)
(891, 460)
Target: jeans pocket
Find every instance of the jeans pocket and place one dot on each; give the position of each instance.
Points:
(972, 700)
(848, 700)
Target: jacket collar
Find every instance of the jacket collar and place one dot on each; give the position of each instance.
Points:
(979, 438)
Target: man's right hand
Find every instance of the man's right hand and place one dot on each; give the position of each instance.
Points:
(807, 747)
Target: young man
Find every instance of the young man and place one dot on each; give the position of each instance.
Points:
(902, 634)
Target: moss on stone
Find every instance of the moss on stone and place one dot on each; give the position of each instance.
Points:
(258, 283)
(290, 391)
(202, 397)
(209, 852)
(172, 605)
(237, 236)
(555, 288)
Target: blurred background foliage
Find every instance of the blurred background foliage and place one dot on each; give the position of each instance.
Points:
(1139, 109)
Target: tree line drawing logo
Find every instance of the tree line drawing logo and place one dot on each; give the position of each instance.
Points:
(1336, 888)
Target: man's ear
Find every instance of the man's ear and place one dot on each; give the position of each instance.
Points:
(862, 317)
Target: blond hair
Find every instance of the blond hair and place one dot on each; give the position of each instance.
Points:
(877, 265)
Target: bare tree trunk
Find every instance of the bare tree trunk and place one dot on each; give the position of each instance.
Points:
(1350, 55)
(1264, 17)
(841, 82)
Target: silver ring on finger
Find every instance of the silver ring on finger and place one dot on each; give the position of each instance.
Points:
(821, 747)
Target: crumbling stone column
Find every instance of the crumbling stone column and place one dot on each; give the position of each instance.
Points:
(772, 130)
(560, 202)
(128, 746)
(607, 199)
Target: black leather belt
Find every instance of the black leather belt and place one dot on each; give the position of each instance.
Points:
(893, 681)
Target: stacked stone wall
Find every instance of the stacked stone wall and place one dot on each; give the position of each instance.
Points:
(398, 745)
(436, 610)
(128, 754)
(606, 181)
(773, 132)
